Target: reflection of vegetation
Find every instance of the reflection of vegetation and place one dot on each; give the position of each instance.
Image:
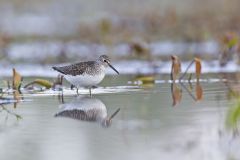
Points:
(198, 91)
(2, 108)
(15, 100)
(233, 116)
(5, 101)
(176, 91)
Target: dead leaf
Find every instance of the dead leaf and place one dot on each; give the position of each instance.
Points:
(198, 67)
(17, 80)
(176, 67)
(199, 91)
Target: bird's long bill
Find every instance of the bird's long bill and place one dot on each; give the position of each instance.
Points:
(114, 114)
(113, 68)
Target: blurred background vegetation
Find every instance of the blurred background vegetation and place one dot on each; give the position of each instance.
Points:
(110, 23)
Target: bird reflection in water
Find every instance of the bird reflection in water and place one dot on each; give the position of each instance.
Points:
(87, 109)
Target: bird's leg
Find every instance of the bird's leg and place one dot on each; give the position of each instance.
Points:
(90, 91)
(77, 91)
(72, 86)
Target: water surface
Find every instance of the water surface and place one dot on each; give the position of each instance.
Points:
(148, 125)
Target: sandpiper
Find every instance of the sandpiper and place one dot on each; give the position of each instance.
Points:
(86, 74)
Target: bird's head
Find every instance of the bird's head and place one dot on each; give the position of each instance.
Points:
(105, 60)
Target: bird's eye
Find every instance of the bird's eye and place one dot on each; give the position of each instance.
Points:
(104, 60)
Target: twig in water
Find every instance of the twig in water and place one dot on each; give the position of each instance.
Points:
(194, 98)
(11, 113)
(186, 70)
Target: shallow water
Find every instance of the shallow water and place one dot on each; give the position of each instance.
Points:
(148, 125)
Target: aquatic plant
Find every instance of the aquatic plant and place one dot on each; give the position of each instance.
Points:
(176, 68)
(140, 49)
(146, 81)
(233, 116)
(41, 82)
(17, 80)
(198, 67)
(230, 48)
(46, 83)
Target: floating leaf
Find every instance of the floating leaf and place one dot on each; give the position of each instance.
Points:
(18, 117)
(17, 80)
(145, 78)
(147, 81)
(176, 67)
(41, 82)
(199, 92)
(198, 67)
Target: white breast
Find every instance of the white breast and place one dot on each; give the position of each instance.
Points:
(85, 80)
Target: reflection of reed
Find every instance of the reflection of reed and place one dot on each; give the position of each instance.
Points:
(87, 109)
(176, 90)
(15, 100)
(198, 91)
(232, 84)
(233, 113)
(176, 94)
(3, 108)
(17, 97)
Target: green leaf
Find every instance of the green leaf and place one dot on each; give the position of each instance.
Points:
(233, 116)
(41, 82)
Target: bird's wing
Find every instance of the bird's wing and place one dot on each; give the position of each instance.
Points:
(74, 69)
(90, 115)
